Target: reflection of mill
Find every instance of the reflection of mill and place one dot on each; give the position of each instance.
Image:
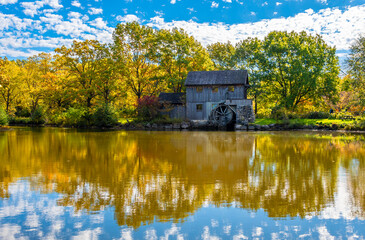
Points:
(218, 155)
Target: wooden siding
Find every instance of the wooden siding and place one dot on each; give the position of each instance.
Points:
(207, 95)
(178, 112)
(210, 99)
(192, 113)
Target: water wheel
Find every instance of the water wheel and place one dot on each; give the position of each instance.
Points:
(222, 115)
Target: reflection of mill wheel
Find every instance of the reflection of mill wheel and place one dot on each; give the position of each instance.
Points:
(222, 115)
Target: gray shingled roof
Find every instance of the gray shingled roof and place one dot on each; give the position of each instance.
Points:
(228, 77)
(172, 98)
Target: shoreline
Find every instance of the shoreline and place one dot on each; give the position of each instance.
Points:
(200, 126)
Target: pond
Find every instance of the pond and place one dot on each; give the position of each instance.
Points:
(64, 183)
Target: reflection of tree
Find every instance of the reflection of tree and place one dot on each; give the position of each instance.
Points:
(169, 175)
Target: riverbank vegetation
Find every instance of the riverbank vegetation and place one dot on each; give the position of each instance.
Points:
(292, 75)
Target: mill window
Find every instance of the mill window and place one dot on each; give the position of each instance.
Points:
(199, 107)
(230, 88)
(214, 89)
(199, 89)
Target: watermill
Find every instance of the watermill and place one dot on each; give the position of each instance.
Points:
(222, 115)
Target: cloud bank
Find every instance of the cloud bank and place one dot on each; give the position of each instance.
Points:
(46, 30)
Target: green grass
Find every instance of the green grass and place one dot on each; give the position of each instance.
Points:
(267, 121)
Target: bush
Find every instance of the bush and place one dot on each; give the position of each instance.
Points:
(38, 116)
(76, 117)
(22, 112)
(3, 118)
(278, 113)
(148, 108)
(105, 116)
(19, 120)
(317, 115)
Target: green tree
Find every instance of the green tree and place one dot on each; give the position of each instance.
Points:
(177, 54)
(297, 67)
(132, 50)
(223, 55)
(247, 56)
(356, 64)
(3, 117)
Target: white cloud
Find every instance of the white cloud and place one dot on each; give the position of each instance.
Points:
(227, 1)
(76, 3)
(51, 19)
(99, 23)
(322, 1)
(191, 10)
(278, 3)
(173, 1)
(4, 2)
(22, 37)
(264, 4)
(74, 15)
(253, 13)
(337, 27)
(214, 5)
(128, 18)
(31, 8)
(94, 11)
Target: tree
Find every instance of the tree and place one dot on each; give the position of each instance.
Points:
(108, 83)
(223, 55)
(248, 54)
(36, 71)
(177, 54)
(356, 64)
(82, 61)
(132, 50)
(297, 67)
(10, 82)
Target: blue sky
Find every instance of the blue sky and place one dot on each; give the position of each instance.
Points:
(28, 27)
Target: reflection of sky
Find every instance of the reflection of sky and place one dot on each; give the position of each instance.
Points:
(30, 214)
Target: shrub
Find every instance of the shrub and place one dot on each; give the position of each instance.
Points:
(37, 116)
(148, 108)
(3, 118)
(22, 112)
(105, 116)
(56, 119)
(278, 114)
(76, 117)
(18, 120)
(317, 115)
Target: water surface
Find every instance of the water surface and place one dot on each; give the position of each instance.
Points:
(59, 183)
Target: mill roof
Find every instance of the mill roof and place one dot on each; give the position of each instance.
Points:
(227, 77)
(172, 98)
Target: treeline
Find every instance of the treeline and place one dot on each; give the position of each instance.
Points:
(90, 83)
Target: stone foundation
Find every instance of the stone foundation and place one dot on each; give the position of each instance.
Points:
(245, 114)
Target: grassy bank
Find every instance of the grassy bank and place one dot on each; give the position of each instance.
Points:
(345, 124)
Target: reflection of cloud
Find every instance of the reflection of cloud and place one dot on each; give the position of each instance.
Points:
(32, 221)
(88, 234)
(126, 234)
(324, 234)
(10, 231)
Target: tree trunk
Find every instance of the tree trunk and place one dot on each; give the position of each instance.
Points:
(255, 98)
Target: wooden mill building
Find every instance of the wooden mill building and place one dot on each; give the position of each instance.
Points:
(218, 96)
